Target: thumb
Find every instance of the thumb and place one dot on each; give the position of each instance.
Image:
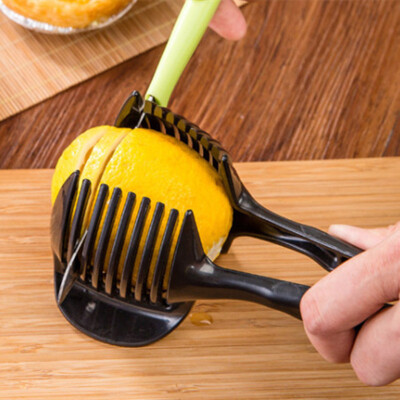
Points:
(229, 21)
(363, 238)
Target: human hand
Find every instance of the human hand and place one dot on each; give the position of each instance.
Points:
(356, 292)
(228, 21)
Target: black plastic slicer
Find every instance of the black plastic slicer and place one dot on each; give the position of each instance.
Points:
(107, 307)
(117, 312)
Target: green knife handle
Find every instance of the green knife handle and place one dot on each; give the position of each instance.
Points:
(186, 35)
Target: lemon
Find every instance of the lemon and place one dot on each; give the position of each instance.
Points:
(101, 154)
(74, 157)
(157, 166)
(97, 161)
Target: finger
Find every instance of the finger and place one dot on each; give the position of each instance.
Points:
(228, 21)
(348, 296)
(363, 238)
(375, 356)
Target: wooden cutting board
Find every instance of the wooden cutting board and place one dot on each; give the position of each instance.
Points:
(236, 351)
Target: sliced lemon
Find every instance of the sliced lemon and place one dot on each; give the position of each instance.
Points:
(157, 166)
(74, 157)
(97, 162)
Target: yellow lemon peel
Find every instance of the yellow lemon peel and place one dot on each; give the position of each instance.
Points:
(74, 157)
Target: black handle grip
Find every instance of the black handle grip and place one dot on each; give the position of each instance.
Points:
(252, 219)
(274, 293)
(205, 280)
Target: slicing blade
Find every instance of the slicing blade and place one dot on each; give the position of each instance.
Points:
(71, 273)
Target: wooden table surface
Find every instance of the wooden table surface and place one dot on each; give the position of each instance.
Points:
(240, 350)
(311, 80)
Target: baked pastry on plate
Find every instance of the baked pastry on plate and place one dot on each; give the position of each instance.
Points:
(64, 16)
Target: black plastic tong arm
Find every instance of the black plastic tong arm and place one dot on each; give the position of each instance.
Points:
(252, 219)
(195, 277)
(262, 223)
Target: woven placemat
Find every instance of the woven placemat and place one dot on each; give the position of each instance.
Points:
(36, 66)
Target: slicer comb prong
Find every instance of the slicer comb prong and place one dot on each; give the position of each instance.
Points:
(104, 240)
(112, 270)
(144, 266)
(162, 258)
(129, 263)
(76, 226)
(60, 222)
(88, 246)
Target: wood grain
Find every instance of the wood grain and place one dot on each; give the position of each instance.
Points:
(312, 79)
(247, 352)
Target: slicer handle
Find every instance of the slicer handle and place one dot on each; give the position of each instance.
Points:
(186, 35)
(193, 276)
(255, 220)
(203, 279)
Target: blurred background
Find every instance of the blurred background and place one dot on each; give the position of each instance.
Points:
(311, 80)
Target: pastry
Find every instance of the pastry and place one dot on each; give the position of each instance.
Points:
(67, 13)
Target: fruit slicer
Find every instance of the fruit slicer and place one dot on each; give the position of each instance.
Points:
(89, 294)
